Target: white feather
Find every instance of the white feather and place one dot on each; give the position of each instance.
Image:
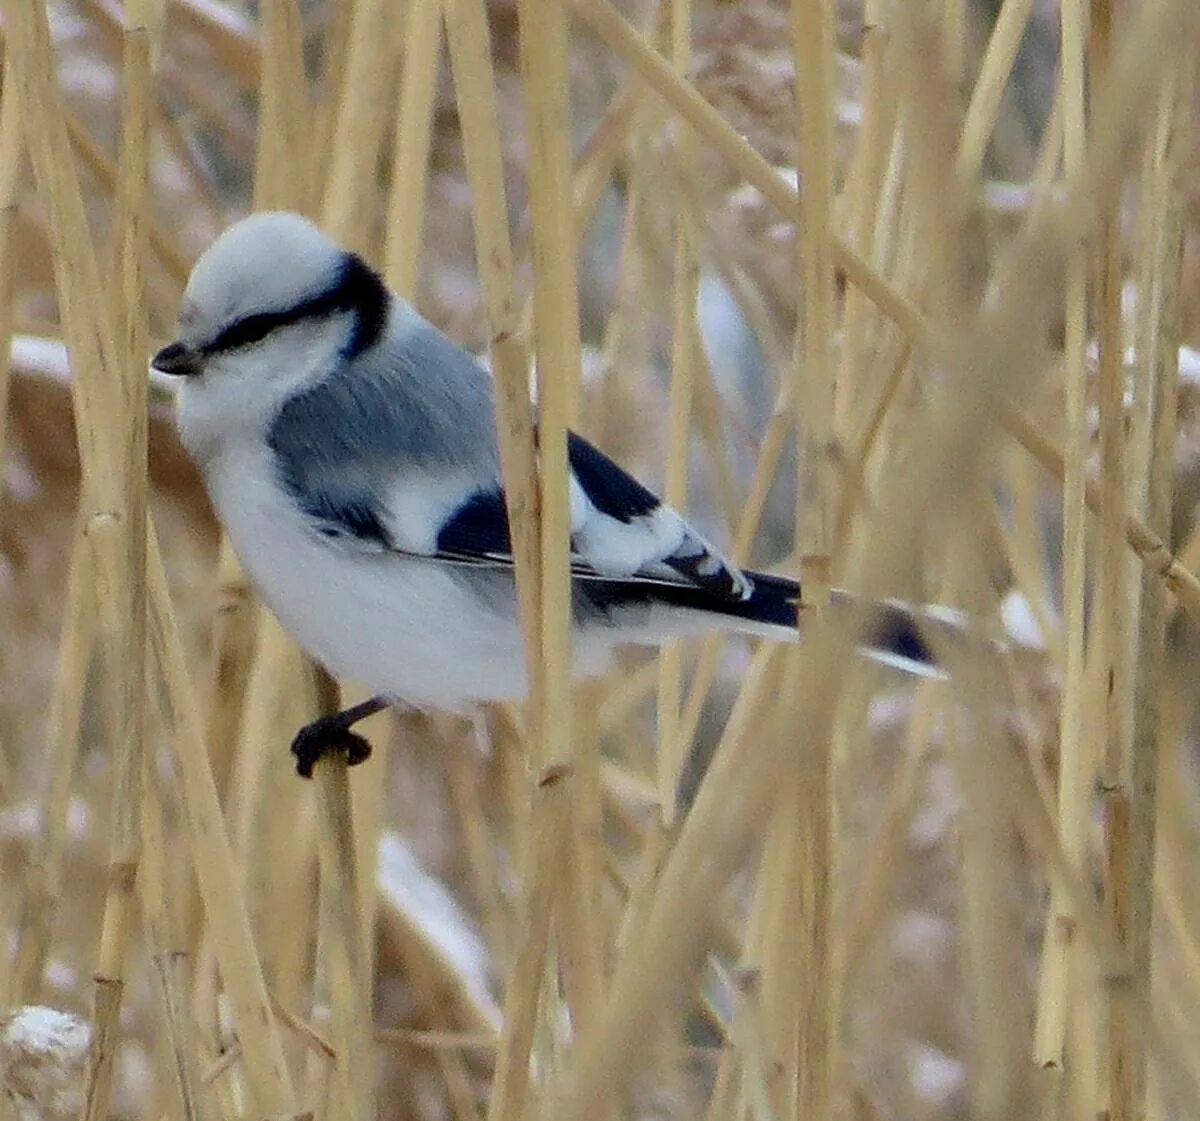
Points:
(616, 548)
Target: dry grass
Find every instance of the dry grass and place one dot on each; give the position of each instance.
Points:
(732, 882)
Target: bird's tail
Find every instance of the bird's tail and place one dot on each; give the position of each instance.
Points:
(895, 633)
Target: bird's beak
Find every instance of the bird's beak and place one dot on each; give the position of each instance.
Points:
(179, 359)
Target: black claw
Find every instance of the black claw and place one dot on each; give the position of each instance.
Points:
(320, 738)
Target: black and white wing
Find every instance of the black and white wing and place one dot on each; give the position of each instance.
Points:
(619, 531)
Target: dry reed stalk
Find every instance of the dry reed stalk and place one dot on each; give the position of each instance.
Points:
(624, 345)
(474, 82)
(542, 818)
(1113, 591)
(253, 661)
(684, 359)
(233, 675)
(940, 194)
(807, 1017)
(1158, 338)
(283, 116)
(994, 73)
(597, 161)
(351, 1002)
(600, 155)
(368, 793)
(544, 54)
(126, 646)
(359, 123)
(268, 665)
(10, 164)
(322, 1089)
(861, 196)
(410, 157)
(780, 906)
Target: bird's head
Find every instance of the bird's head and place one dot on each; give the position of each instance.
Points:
(271, 305)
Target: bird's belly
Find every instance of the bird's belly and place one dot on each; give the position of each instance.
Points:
(403, 627)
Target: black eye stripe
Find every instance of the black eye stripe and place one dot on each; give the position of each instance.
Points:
(252, 329)
(357, 289)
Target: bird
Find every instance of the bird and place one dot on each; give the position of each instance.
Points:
(349, 450)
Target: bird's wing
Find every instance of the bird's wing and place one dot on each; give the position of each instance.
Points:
(619, 530)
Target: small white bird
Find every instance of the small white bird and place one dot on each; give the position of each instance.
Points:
(349, 449)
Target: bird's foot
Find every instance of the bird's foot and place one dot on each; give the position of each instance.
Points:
(323, 737)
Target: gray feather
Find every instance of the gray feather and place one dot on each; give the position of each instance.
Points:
(413, 403)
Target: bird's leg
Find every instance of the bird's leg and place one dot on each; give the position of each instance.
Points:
(332, 733)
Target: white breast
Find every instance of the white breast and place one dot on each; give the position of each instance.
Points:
(406, 628)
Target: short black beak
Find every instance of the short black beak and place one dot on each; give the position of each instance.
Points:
(178, 359)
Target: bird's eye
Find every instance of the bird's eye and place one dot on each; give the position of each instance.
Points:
(245, 332)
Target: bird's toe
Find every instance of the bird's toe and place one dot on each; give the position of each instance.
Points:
(316, 740)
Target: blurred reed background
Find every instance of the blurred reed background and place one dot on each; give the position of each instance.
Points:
(899, 298)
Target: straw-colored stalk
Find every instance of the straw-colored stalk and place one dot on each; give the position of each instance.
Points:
(802, 1016)
(126, 645)
(339, 884)
(1074, 790)
(1157, 335)
(10, 162)
(1112, 649)
(862, 199)
(542, 819)
(410, 158)
(544, 54)
(988, 92)
(684, 359)
(361, 125)
(282, 116)
(359, 122)
(474, 82)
